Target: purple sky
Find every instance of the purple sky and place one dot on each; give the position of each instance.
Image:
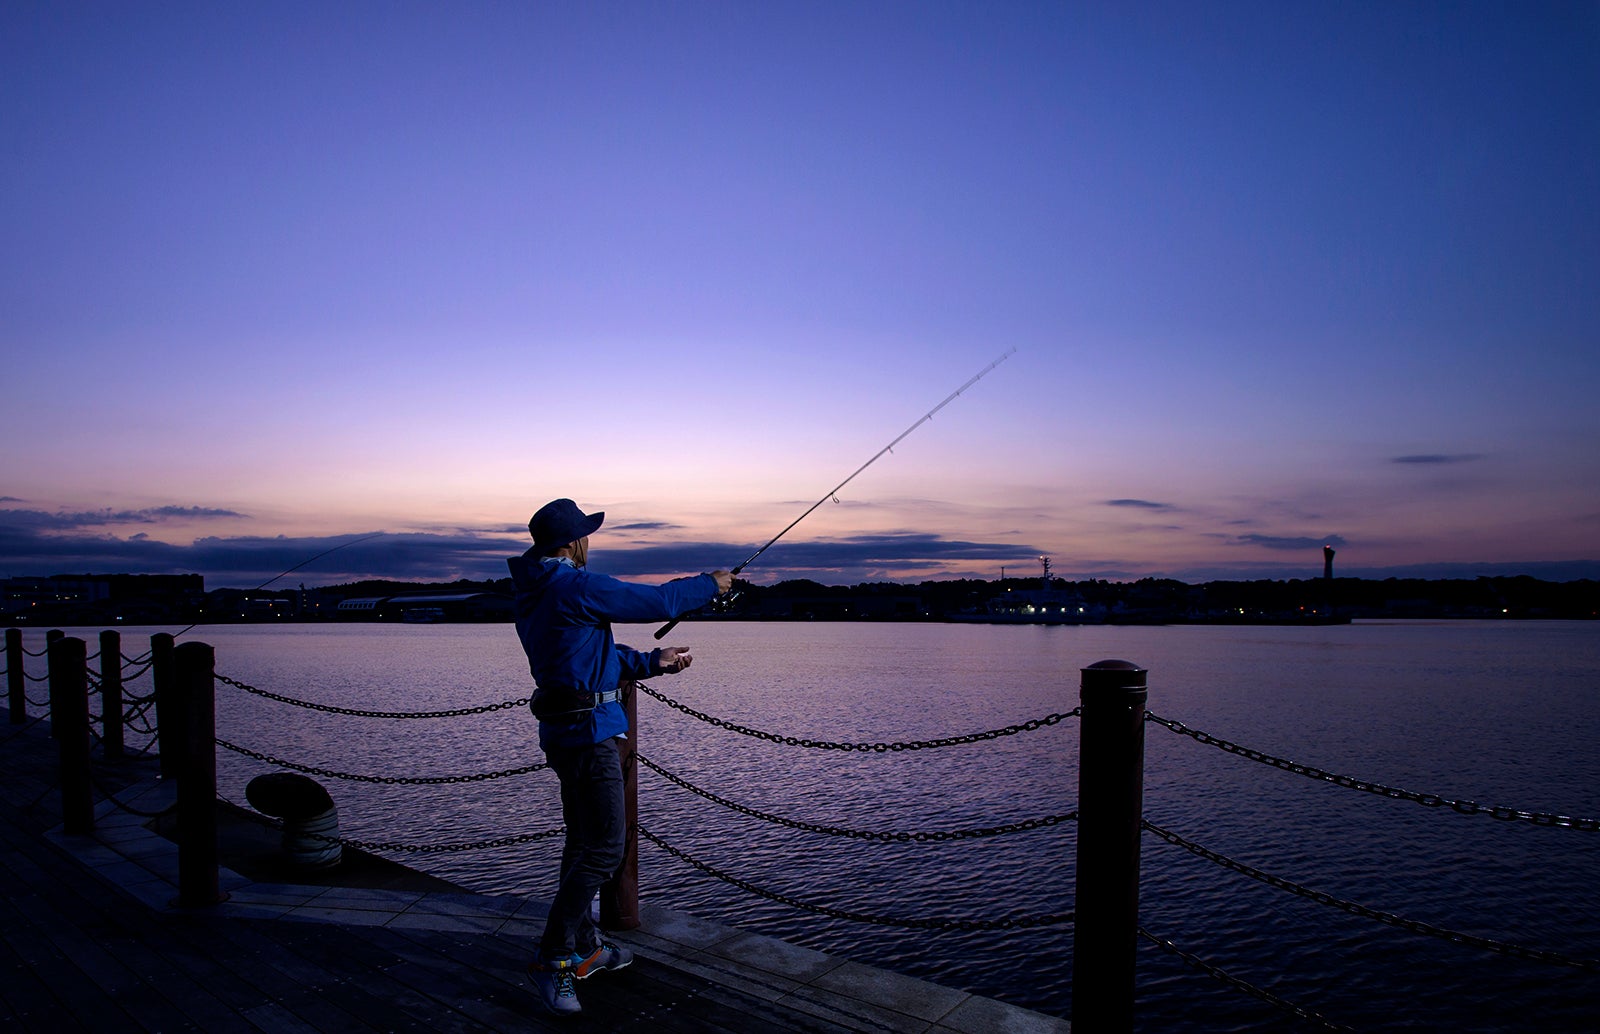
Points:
(278, 276)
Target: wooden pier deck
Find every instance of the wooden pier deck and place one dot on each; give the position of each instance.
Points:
(90, 940)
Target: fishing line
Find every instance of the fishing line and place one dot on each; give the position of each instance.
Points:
(297, 567)
(834, 493)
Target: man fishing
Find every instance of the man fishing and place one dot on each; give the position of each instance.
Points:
(564, 616)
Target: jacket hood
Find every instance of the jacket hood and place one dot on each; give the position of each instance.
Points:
(530, 573)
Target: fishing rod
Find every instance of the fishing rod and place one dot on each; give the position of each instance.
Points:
(669, 626)
(298, 566)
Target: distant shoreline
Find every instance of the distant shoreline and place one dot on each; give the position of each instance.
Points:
(112, 600)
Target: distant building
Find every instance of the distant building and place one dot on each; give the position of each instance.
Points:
(107, 597)
(428, 608)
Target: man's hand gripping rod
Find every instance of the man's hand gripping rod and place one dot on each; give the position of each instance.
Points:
(670, 625)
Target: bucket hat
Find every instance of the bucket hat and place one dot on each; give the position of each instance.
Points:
(559, 522)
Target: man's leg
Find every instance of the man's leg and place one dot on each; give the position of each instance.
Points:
(593, 808)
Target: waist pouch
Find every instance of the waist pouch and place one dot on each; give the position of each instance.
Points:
(557, 701)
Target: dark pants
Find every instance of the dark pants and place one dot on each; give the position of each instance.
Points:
(592, 807)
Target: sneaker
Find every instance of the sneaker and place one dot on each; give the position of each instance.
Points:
(607, 956)
(553, 982)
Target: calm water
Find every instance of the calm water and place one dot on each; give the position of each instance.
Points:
(1501, 713)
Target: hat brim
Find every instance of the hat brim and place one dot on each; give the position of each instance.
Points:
(582, 529)
(591, 524)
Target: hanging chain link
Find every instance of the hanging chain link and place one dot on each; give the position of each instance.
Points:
(455, 712)
(876, 748)
(390, 845)
(130, 809)
(1413, 925)
(1430, 800)
(391, 780)
(1241, 985)
(128, 676)
(919, 837)
(1021, 922)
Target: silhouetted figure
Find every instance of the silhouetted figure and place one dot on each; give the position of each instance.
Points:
(564, 615)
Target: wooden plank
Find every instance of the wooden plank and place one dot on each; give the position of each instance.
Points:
(454, 976)
(286, 978)
(78, 954)
(74, 996)
(84, 919)
(364, 983)
(29, 1005)
(197, 1002)
(203, 959)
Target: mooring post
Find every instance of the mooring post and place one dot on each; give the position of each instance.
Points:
(619, 896)
(1110, 812)
(16, 674)
(69, 721)
(111, 692)
(169, 734)
(194, 685)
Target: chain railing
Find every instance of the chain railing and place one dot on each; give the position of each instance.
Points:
(1020, 922)
(1240, 984)
(109, 794)
(137, 707)
(1388, 918)
(128, 675)
(875, 748)
(454, 712)
(474, 777)
(880, 836)
(1429, 800)
(410, 848)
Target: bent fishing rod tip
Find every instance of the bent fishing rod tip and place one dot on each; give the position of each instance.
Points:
(834, 492)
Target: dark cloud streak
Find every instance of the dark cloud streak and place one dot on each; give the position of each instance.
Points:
(1294, 543)
(35, 547)
(1439, 458)
(66, 521)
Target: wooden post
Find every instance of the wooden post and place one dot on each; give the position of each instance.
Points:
(111, 693)
(1110, 812)
(169, 732)
(194, 686)
(16, 676)
(619, 896)
(69, 721)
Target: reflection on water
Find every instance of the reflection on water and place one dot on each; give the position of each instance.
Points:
(1500, 713)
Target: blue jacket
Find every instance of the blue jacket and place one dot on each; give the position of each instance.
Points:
(564, 615)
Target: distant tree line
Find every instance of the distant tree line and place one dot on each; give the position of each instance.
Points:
(1147, 600)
